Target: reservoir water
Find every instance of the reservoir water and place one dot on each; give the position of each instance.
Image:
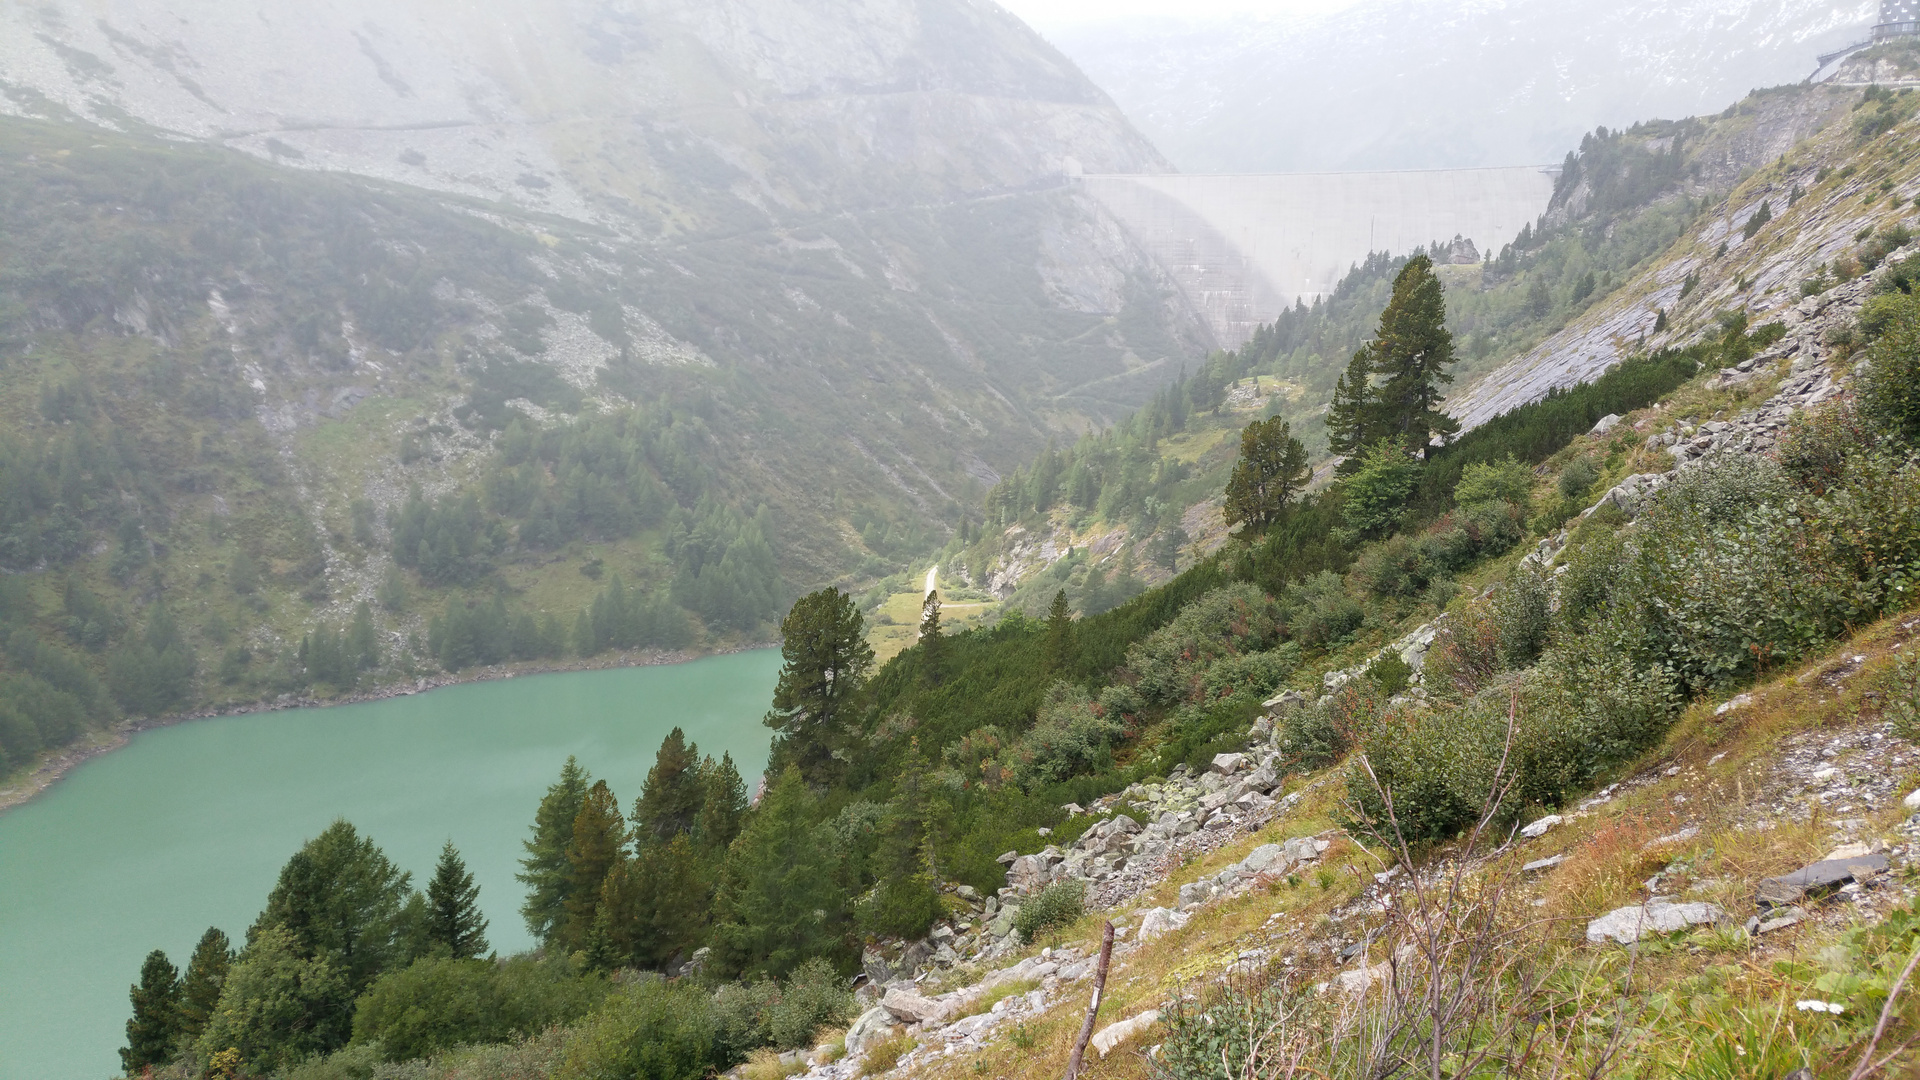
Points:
(188, 826)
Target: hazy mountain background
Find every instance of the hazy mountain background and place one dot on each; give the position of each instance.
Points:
(1425, 84)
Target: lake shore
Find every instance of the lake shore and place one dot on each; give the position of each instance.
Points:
(68, 758)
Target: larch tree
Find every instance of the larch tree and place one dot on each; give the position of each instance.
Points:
(827, 660)
(598, 844)
(454, 921)
(545, 870)
(779, 903)
(670, 801)
(1272, 469)
(154, 1027)
(1411, 354)
(724, 807)
(200, 987)
(1350, 416)
(932, 644)
(340, 899)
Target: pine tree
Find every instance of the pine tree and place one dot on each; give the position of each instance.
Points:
(453, 903)
(1411, 354)
(653, 906)
(1350, 415)
(1058, 654)
(669, 803)
(933, 651)
(155, 1024)
(598, 844)
(724, 806)
(545, 870)
(827, 661)
(363, 643)
(206, 975)
(1271, 470)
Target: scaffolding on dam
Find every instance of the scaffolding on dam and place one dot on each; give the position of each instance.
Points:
(1244, 247)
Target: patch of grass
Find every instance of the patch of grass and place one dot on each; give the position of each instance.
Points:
(885, 1054)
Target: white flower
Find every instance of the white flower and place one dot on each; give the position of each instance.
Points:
(1816, 1005)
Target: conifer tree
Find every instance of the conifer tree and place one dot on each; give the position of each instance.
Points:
(1411, 354)
(933, 651)
(1350, 415)
(669, 803)
(598, 844)
(724, 806)
(653, 906)
(827, 661)
(1059, 654)
(453, 908)
(339, 898)
(778, 903)
(363, 643)
(206, 975)
(545, 869)
(1271, 470)
(155, 1025)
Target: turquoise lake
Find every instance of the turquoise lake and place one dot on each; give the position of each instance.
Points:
(187, 826)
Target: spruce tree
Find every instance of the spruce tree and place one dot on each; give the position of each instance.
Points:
(1271, 470)
(669, 803)
(545, 870)
(1411, 354)
(155, 1025)
(1058, 654)
(453, 903)
(206, 975)
(653, 906)
(778, 902)
(933, 653)
(824, 644)
(1350, 418)
(598, 844)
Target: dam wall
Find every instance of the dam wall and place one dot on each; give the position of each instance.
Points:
(1242, 247)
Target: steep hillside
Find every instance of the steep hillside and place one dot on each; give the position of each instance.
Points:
(720, 303)
(1425, 85)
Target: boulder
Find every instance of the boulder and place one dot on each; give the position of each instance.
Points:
(910, 1007)
(1912, 801)
(1266, 857)
(1113, 1035)
(873, 1025)
(1539, 828)
(1819, 877)
(1028, 872)
(1629, 924)
(1303, 848)
(1228, 764)
(1547, 863)
(1606, 423)
(1285, 700)
(1157, 921)
(1195, 892)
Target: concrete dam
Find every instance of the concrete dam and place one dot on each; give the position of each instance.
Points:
(1244, 247)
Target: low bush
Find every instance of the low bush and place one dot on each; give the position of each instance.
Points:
(1254, 675)
(1071, 735)
(650, 1030)
(434, 1004)
(1230, 621)
(1523, 615)
(1053, 908)
(1890, 388)
(814, 997)
(1324, 614)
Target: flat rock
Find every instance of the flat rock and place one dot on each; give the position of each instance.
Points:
(1113, 1035)
(1539, 828)
(1912, 801)
(874, 1024)
(1547, 863)
(1157, 921)
(1264, 858)
(912, 1008)
(1825, 874)
(1629, 924)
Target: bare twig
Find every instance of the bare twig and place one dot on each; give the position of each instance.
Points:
(1093, 1009)
(1866, 1065)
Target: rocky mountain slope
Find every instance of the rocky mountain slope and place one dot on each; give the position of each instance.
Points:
(815, 265)
(1431, 85)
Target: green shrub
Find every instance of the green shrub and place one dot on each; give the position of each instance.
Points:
(1433, 770)
(1577, 479)
(1230, 621)
(814, 997)
(1817, 446)
(1890, 389)
(1523, 613)
(1391, 674)
(650, 1030)
(434, 1004)
(1070, 736)
(358, 1062)
(1225, 1031)
(1254, 675)
(1053, 908)
(1505, 481)
(1378, 492)
(1325, 614)
(743, 1018)
(1902, 689)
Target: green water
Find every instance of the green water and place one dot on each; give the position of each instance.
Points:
(188, 826)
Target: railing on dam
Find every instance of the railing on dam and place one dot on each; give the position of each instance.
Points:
(1242, 247)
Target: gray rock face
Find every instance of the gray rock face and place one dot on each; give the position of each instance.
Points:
(1629, 924)
(1819, 877)
(873, 1025)
(910, 1007)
